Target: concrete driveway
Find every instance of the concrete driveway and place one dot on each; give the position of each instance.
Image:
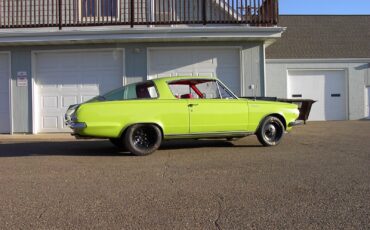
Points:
(319, 177)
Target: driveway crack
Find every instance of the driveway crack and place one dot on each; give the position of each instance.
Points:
(42, 213)
(166, 167)
(220, 201)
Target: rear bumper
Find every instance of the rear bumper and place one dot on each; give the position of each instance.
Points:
(296, 123)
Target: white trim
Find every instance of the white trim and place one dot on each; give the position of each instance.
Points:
(11, 95)
(346, 82)
(34, 93)
(240, 48)
(242, 73)
(34, 103)
(147, 34)
(367, 83)
(124, 77)
(10, 99)
(367, 102)
(320, 60)
(346, 79)
(264, 70)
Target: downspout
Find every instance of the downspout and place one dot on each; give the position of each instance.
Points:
(264, 88)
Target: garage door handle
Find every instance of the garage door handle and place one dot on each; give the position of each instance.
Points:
(335, 94)
(192, 105)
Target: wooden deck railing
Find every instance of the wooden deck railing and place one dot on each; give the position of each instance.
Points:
(72, 13)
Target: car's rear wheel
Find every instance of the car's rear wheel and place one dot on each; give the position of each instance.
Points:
(142, 139)
(270, 131)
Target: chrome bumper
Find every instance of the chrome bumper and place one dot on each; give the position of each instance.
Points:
(296, 123)
(76, 125)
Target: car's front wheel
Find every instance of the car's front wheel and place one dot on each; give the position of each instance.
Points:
(142, 139)
(270, 131)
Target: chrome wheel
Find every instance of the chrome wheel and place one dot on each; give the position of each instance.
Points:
(270, 131)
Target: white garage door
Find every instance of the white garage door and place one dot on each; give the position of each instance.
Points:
(70, 77)
(221, 62)
(327, 87)
(4, 94)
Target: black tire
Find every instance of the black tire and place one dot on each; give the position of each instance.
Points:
(142, 139)
(271, 131)
(117, 142)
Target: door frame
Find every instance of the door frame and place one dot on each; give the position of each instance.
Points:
(34, 93)
(346, 82)
(10, 93)
(367, 102)
(239, 48)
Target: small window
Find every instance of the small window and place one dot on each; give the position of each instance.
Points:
(99, 8)
(146, 90)
(225, 93)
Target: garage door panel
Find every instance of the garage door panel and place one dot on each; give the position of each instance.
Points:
(50, 122)
(71, 77)
(205, 74)
(49, 102)
(86, 97)
(59, 61)
(326, 87)
(204, 58)
(90, 87)
(68, 86)
(4, 87)
(221, 62)
(69, 100)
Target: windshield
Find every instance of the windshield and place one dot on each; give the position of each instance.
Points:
(143, 90)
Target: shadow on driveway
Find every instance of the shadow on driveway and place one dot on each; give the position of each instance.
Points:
(97, 148)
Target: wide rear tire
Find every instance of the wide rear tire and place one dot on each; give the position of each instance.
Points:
(142, 139)
(271, 131)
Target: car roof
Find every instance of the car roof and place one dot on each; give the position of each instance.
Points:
(164, 90)
(167, 79)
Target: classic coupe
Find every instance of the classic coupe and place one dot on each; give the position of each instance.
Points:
(138, 117)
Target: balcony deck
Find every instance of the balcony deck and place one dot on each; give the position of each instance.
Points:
(76, 13)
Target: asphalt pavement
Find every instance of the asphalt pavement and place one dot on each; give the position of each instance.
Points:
(317, 178)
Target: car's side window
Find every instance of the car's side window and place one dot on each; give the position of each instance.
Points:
(196, 89)
(209, 90)
(182, 91)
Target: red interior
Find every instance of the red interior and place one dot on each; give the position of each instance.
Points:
(192, 84)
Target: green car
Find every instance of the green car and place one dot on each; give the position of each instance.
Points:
(138, 117)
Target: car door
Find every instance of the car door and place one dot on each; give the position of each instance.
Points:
(219, 111)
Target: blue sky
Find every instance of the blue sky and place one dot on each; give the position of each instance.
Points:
(324, 6)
